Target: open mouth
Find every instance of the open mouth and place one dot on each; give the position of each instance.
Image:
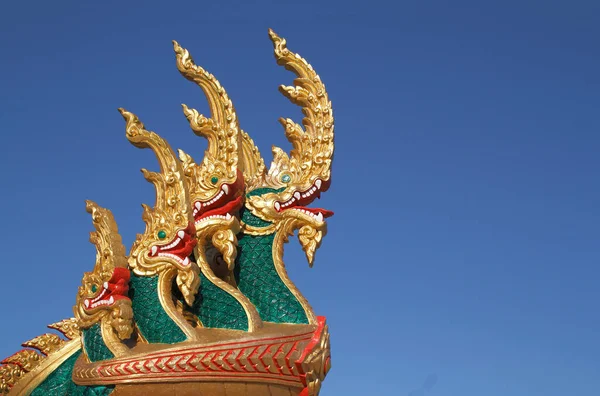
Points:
(113, 290)
(316, 213)
(224, 204)
(180, 248)
(302, 198)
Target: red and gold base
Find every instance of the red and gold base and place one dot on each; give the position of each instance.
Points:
(296, 363)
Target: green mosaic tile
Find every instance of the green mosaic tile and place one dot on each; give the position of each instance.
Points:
(95, 347)
(152, 320)
(217, 308)
(258, 279)
(59, 383)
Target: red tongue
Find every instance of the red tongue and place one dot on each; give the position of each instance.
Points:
(229, 207)
(183, 248)
(326, 213)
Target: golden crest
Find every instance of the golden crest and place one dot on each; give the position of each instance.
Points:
(103, 293)
(68, 327)
(195, 222)
(10, 374)
(216, 185)
(299, 178)
(169, 238)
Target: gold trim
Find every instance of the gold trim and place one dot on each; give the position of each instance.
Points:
(222, 132)
(251, 162)
(278, 243)
(251, 230)
(68, 327)
(165, 283)
(35, 377)
(171, 213)
(254, 320)
(45, 343)
(110, 338)
(116, 319)
(264, 358)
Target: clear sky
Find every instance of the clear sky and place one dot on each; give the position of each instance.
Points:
(463, 258)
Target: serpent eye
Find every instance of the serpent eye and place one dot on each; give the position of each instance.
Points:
(214, 180)
(94, 288)
(162, 234)
(285, 178)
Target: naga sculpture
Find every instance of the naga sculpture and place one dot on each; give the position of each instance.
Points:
(203, 303)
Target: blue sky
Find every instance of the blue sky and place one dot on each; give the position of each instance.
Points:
(463, 256)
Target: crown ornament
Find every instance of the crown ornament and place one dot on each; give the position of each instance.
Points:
(202, 304)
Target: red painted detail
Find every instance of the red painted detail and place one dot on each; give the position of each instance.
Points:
(216, 347)
(287, 357)
(172, 362)
(146, 365)
(227, 203)
(207, 366)
(184, 359)
(280, 349)
(267, 349)
(5, 361)
(227, 361)
(164, 362)
(238, 360)
(250, 357)
(118, 287)
(230, 207)
(327, 365)
(131, 368)
(304, 392)
(183, 249)
(293, 381)
(316, 338)
(294, 203)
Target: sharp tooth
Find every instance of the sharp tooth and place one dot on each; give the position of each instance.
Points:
(320, 216)
(318, 183)
(225, 188)
(198, 205)
(277, 206)
(228, 216)
(297, 195)
(186, 261)
(181, 234)
(154, 250)
(111, 300)
(86, 303)
(106, 285)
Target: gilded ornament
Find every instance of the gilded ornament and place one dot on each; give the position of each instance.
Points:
(168, 240)
(203, 302)
(103, 296)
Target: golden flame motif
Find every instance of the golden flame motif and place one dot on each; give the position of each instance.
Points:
(219, 165)
(102, 296)
(169, 220)
(306, 171)
(232, 165)
(215, 179)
